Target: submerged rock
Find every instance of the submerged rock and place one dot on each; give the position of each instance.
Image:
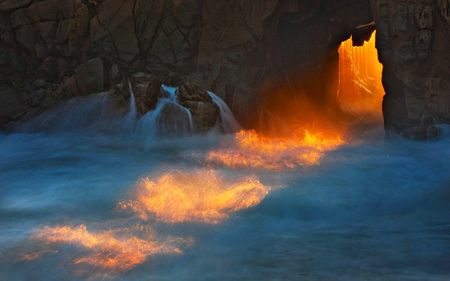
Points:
(421, 133)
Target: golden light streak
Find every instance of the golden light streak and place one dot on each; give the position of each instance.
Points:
(257, 151)
(360, 87)
(199, 196)
(204, 196)
(108, 251)
(33, 256)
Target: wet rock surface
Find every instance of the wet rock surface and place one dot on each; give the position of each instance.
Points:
(146, 88)
(200, 104)
(191, 109)
(421, 133)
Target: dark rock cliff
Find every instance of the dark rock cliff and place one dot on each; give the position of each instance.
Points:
(413, 42)
(243, 50)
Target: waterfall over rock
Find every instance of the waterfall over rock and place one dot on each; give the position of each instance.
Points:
(227, 121)
(177, 111)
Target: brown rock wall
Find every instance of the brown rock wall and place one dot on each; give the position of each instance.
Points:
(235, 48)
(413, 42)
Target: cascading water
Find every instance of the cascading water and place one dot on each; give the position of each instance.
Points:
(99, 113)
(228, 122)
(104, 112)
(129, 121)
(168, 118)
(173, 100)
(133, 109)
(82, 197)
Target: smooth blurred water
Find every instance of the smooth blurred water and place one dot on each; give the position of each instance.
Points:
(371, 210)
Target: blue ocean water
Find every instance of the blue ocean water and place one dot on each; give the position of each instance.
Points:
(370, 210)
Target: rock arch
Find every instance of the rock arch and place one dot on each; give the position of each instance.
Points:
(240, 49)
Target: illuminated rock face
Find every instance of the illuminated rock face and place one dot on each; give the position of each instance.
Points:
(360, 87)
(413, 42)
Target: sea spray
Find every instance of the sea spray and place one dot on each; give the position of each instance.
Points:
(368, 211)
(169, 118)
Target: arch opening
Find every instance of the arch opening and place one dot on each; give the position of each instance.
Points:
(360, 87)
(343, 86)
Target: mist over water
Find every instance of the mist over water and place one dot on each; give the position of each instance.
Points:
(367, 210)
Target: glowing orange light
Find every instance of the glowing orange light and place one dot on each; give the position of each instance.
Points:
(32, 256)
(360, 87)
(108, 251)
(200, 196)
(257, 151)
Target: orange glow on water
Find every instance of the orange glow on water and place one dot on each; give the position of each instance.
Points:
(108, 250)
(200, 196)
(304, 117)
(360, 87)
(33, 256)
(301, 128)
(253, 150)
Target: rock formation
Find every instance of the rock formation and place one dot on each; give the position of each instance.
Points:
(243, 50)
(147, 91)
(413, 41)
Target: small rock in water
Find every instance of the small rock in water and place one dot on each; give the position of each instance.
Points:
(421, 133)
(428, 120)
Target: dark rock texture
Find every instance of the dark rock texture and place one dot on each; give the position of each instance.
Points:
(243, 50)
(231, 47)
(421, 132)
(200, 104)
(413, 41)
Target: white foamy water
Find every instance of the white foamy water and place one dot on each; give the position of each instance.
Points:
(371, 210)
(229, 123)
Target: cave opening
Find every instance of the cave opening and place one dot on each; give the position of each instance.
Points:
(342, 87)
(360, 87)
